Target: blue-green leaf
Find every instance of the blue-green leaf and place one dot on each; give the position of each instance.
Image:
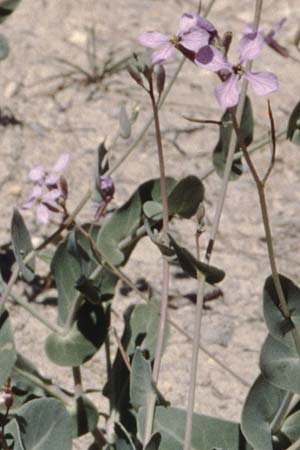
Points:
(41, 424)
(261, 405)
(22, 245)
(207, 432)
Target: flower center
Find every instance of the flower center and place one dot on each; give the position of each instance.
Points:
(238, 70)
(175, 40)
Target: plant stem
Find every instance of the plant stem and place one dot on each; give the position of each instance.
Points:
(166, 273)
(201, 277)
(194, 364)
(281, 413)
(77, 382)
(295, 445)
(231, 149)
(253, 148)
(264, 210)
(32, 310)
(52, 390)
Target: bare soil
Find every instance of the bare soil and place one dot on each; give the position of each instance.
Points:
(60, 116)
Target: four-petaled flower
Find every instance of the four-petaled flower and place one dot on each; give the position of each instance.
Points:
(47, 189)
(227, 94)
(194, 32)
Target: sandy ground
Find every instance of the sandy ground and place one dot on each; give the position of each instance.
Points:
(58, 118)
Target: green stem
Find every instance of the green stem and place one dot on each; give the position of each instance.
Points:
(253, 148)
(281, 413)
(166, 274)
(194, 365)
(51, 390)
(32, 310)
(295, 445)
(231, 149)
(265, 216)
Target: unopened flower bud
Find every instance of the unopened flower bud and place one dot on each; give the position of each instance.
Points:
(106, 188)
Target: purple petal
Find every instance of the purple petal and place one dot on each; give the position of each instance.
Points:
(42, 214)
(52, 195)
(227, 93)
(211, 59)
(194, 40)
(269, 36)
(161, 55)
(248, 29)
(51, 180)
(61, 163)
(250, 46)
(153, 39)
(187, 21)
(29, 204)
(37, 173)
(262, 83)
(206, 25)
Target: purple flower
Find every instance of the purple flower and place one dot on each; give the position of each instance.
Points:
(38, 174)
(269, 37)
(227, 94)
(44, 203)
(47, 190)
(194, 32)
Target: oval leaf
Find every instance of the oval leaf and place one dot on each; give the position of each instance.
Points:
(191, 265)
(277, 324)
(207, 432)
(83, 341)
(141, 388)
(185, 197)
(8, 353)
(280, 363)
(261, 405)
(42, 424)
(22, 245)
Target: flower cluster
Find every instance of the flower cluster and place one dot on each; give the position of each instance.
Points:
(48, 189)
(198, 39)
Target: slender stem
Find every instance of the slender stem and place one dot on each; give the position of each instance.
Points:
(231, 149)
(166, 272)
(201, 277)
(9, 286)
(99, 438)
(295, 445)
(52, 390)
(32, 310)
(264, 210)
(149, 122)
(281, 413)
(194, 365)
(77, 382)
(253, 148)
